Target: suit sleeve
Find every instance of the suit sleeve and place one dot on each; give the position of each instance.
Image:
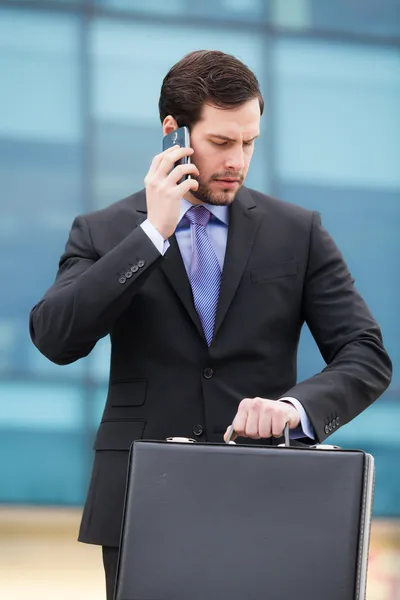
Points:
(358, 368)
(89, 293)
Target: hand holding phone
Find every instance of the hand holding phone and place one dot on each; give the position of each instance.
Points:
(179, 137)
(166, 183)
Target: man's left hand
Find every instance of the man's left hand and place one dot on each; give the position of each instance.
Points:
(259, 418)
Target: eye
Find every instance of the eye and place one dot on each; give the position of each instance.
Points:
(219, 143)
(250, 143)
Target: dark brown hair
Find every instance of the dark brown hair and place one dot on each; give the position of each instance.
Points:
(206, 76)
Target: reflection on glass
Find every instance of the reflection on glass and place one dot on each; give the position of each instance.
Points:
(373, 17)
(42, 434)
(377, 17)
(40, 165)
(248, 10)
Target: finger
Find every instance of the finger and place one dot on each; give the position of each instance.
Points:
(155, 163)
(186, 186)
(239, 422)
(265, 424)
(278, 424)
(169, 159)
(181, 170)
(294, 418)
(233, 436)
(252, 423)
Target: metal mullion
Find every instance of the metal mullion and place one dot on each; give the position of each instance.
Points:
(269, 73)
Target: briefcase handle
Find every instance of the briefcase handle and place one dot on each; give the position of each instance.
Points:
(286, 444)
(286, 435)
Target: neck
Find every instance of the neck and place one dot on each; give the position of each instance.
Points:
(192, 199)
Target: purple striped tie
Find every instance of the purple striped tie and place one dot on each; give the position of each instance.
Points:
(205, 272)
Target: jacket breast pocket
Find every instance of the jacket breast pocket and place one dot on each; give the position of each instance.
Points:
(128, 393)
(274, 271)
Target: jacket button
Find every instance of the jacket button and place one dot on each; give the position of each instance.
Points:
(197, 429)
(330, 426)
(326, 429)
(208, 373)
(337, 421)
(128, 274)
(122, 279)
(141, 263)
(134, 269)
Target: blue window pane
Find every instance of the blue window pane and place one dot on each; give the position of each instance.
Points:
(130, 62)
(338, 118)
(371, 17)
(40, 163)
(99, 403)
(377, 17)
(56, 1)
(99, 363)
(174, 7)
(241, 10)
(42, 431)
(40, 406)
(39, 56)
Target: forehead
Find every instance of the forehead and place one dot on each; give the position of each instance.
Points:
(243, 120)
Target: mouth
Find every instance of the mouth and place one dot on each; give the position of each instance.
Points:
(229, 179)
(227, 182)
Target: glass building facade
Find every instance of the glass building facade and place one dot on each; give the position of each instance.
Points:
(79, 127)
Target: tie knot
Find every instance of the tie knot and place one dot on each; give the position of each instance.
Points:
(198, 215)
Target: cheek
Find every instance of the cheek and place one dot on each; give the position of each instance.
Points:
(202, 166)
(196, 157)
(208, 160)
(248, 161)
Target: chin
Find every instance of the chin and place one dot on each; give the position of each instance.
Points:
(222, 198)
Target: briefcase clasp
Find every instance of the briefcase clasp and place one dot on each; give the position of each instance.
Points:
(181, 439)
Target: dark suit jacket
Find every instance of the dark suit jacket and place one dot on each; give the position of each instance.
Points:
(281, 269)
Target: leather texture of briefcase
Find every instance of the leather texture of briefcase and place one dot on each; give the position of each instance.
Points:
(205, 521)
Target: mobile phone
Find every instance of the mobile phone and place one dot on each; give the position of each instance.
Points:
(179, 137)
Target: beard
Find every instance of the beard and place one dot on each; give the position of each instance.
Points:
(224, 197)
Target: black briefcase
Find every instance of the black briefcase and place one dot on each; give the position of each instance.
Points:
(205, 521)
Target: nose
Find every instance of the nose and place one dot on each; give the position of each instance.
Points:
(235, 160)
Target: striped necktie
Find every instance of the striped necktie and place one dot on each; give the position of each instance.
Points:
(205, 272)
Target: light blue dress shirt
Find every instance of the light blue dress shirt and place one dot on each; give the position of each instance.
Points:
(217, 230)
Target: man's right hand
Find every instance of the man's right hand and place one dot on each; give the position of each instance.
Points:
(163, 193)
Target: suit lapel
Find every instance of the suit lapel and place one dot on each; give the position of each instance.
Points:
(174, 270)
(243, 224)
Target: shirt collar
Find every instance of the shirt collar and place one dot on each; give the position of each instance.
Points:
(220, 212)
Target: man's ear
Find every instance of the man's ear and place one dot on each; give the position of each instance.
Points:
(169, 125)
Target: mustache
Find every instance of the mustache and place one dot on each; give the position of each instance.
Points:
(229, 174)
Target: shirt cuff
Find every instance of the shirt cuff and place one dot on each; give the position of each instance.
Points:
(304, 429)
(155, 236)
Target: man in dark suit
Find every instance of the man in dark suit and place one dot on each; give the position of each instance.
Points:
(203, 286)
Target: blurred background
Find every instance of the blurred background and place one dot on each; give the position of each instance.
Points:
(79, 88)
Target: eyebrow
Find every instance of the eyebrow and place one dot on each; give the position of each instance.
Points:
(228, 139)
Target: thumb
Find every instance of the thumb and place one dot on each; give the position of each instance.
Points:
(234, 434)
(293, 417)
